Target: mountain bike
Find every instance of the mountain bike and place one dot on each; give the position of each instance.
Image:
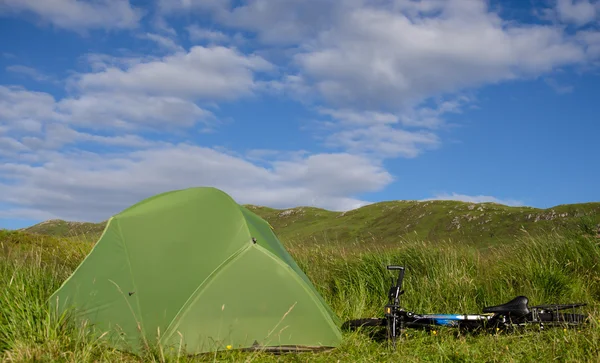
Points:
(512, 314)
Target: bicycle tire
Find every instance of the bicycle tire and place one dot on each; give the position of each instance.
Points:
(562, 318)
(388, 329)
(556, 307)
(359, 323)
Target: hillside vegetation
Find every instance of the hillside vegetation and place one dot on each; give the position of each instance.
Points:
(60, 228)
(389, 222)
(442, 277)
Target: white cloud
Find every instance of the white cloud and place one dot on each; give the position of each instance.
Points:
(74, 14)
(147, 93)
(199, 34)
(162, 41)
(557, 87)
(169, 6)
(18, 106)
(31, 72)
(160, 24)
(292, 86)
(285, 22)
(333, 174)
(99, 62)
(385, 55)
(203, 72)
(8, 144)
(432, 117)
(121, 94)
(383, 141)
(275, 22)
(57, 135)
(591, 39)
(131, 111)
(427, 117)
(391, 59)
(578, 12)
(23, 111)
(384, 62)
(378, 59)
(476, 199)
(387, 135)
(89, 186)
(361, 118)
(159, 92)
(40, 176)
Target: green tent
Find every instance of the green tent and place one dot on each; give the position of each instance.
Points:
(194, 269)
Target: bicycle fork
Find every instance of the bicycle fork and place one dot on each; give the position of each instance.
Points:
(395, 323)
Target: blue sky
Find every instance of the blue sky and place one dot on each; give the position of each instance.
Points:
(334, 104)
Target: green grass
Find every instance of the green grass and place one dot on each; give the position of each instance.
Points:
(443, 276)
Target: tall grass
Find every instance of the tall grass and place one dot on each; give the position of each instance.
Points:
(441, 277)
(453, 277)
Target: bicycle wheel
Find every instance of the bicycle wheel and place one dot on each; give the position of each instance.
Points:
(359, 323)
(391, 331)
(561, 318)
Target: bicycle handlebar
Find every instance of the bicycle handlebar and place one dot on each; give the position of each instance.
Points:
(396, 291)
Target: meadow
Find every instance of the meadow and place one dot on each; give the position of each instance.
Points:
(442, 276)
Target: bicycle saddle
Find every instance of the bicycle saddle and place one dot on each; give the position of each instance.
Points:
(518, 306)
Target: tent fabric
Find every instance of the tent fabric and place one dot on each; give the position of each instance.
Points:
(193, 270)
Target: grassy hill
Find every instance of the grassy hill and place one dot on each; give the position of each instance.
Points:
(389, 222)
(444, 277)
(60, 228)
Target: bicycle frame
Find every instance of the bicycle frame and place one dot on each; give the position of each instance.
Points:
(397, 318)
(513, 313)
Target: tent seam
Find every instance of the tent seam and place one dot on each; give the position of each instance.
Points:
(122, 240)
